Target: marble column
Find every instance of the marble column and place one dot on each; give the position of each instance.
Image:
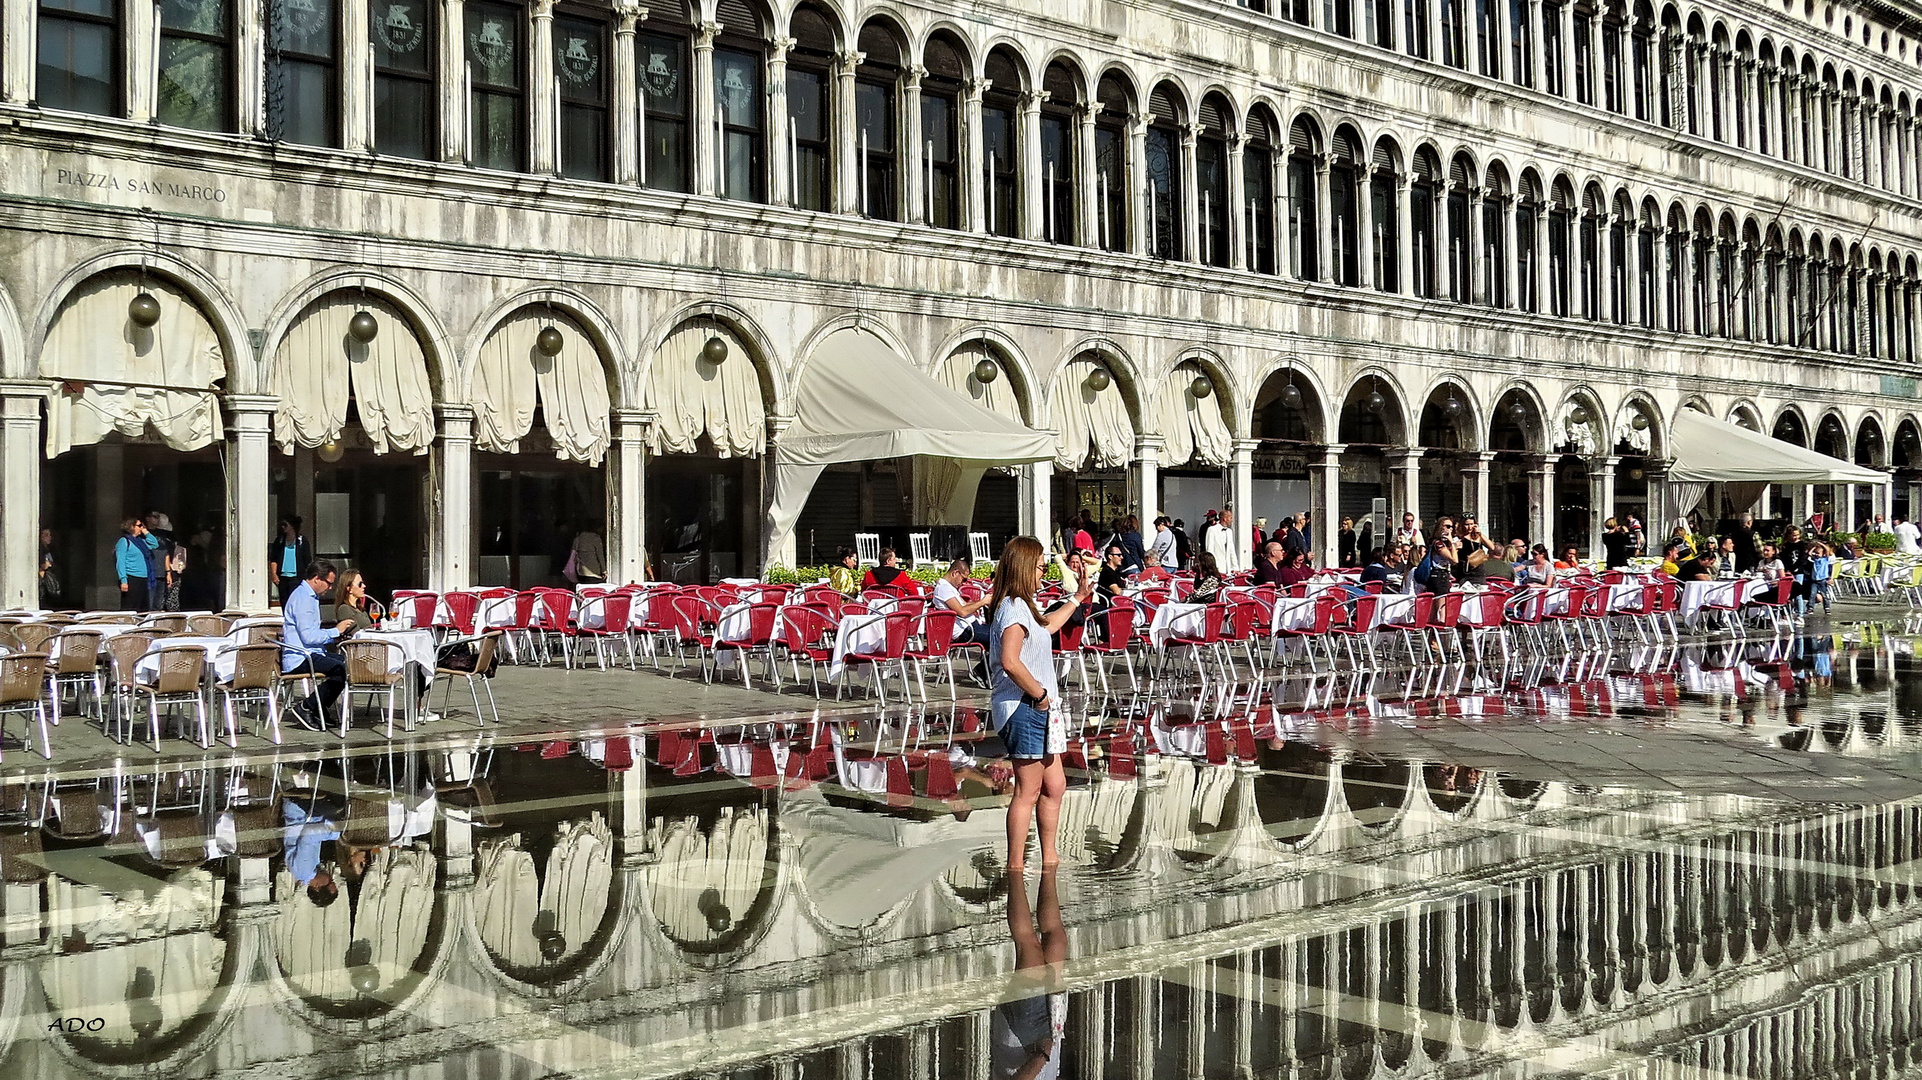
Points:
(1235, 213)
(1031, 192)
(706, 146)
(1444, 244)
(914, 161)
(141, 76)
(1242, 492)
(848, 166)
(1477, 291)
(1601, 487)
(356, 79)
(1188, 242)
(1544, 266)
(452, 88)
(19, 42)
(1475, 465)
(250, 54)
(1537, 49)
(20, 404)
(543, 96)
(453, 544)
(1404, 483)
(973, 156)
(1138, 188)
(1632, 275)
(1088, 206)
(780, 188)
(627, 497)
(1404, 251)
(1324, 222)
(1146, 478)
(1364, 228)
(1325, 475)
(1037, 501)
(629, 106)
(1541, 500)
(249, 488)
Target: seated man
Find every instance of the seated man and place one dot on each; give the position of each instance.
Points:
(1268, 567)
(947, 594)
(305, 645)
(888, 575)
(1378, 568)
(1688, 566)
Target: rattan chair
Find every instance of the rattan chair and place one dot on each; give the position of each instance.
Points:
(208, 625)
(256, 680)
(167, 624)
(183, 669)
(75, 666)
(110, 620)
(23, 684)
(477, 679)
(367, 675)
(33, 636)
(124, 652)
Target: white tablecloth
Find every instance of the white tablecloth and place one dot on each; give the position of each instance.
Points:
(1295, 613)
(494, 611)
(416, 647)
(1697, 595)
(1395, 609)
(1171, 618)
(1626, 598)
(856, 633)
(147, 669)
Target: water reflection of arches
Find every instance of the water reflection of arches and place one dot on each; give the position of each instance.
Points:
(147, 959)
(1376, 792)
(541, 920)
(368, 949)
(1292, 792)
(1452, 789)
(716, 880)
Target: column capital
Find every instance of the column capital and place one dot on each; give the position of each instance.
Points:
(911, 76)
(1331, 455)
(1088, 110)
(626, 420)
(1477, 459)
(705, 33)
(238, 404)
(1030, 100)
(780, 47)
(451, 413)
(628, 14)
(972, 89)
(1149, 443)
(777, 425)
(543, 9)
(849, 59)
(1138, 123)
(1404, 456)
(1245, 450)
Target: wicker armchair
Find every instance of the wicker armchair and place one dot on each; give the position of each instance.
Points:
(23, 690)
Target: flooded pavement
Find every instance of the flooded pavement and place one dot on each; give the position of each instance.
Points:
(1696, 862)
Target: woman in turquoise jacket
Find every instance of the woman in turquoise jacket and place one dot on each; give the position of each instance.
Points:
(132, 556)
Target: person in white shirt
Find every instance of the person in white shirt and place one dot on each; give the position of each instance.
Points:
(1908, 538)
(1221, 542)
(947, 594)
(1410, 533)
(1164, 551)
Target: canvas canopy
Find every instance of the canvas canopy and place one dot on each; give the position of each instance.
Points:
(860, 401)
(1708, 450)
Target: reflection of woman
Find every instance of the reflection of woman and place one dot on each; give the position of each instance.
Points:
(1025, 1034)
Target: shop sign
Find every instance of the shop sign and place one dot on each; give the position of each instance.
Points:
(1279, 461)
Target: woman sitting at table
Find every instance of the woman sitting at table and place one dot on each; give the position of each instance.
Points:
(1294, 568)
(841, 575)
(351, 603)
(1207, 580)
(1538, 570)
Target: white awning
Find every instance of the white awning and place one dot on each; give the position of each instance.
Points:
(1708, 450)
(1192, 427)
(1095, 428)
(858, 401)
(692, 396)
(512, 376)
(319, 363)
(116, 376)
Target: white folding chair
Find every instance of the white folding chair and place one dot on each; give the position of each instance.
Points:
(920, 550)
(978, 548)
(867, 549)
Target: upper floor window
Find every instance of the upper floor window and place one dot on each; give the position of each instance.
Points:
(1111, 164)
(1058, 127)
(1000, 146)
(877, 92)
(496, 84)
(1162, 145)
(303, 73)
(406, 39)
(196, 75)
(663, 74)
(79, 54)
(809, 77)
(580, 73)
(941, 131)
(737, 117)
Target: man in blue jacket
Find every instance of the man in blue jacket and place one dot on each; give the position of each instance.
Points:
(306, 645)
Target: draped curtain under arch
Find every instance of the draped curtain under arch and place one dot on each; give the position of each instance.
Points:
(113, 375)
(998, 396)
(707, 882)
(1192, 428)
(319, 363)
(511, 377)
(1092, 427)
(692, 397)
(393, 914)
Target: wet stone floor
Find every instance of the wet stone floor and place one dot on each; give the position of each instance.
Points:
(1678, 862)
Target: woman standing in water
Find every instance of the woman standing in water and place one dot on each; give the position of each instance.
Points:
(1021, 671)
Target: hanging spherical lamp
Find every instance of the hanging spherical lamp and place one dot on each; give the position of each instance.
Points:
(1098, 379)
(1578, 415)
(1452, 406)
(549, 341)
(553, 946)
(1376, 402)
(364, 978)
(1201, 387)
(1291, 396)
(363, 327)
(1518, 412)
(330, 451)
(1640, 423)
(714, 350)
(986, 371)
(143, 310)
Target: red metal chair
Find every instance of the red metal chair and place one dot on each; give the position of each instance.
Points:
(420, 608)
(756, 636)
(613, 609)
(1360, 624)
(807, 633)
(1208, 639)
(936, 644)
(461, 609)
(694, 619)
(554, 620)
(1117, 623)
(892, 649)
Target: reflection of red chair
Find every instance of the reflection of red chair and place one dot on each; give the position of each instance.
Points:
(940, 782)
(1121, 755)
(679, 750)
(618, 755)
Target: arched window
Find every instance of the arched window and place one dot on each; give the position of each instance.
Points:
(1424, 184)
(1001, 145)
(1162, 145)
(1641, 59)
(1528, 209)
(1454, 33)
(1211, 180)
(739, 110)
(1620, 224)
(581, 74)
(496, 80)
(1847, 111)
(1692, 54)
(1726, 272)
(941, 131)
(1701, 240)
(1385, 235)
(1488, 19)
(1678, 256)
(1344, 214)
(1590, 255)
(1795, 298)
(1561, 221)
(1647, 285)
(1585, 61)
(1460, 182)
(1058, 157)
(877, 96)
(196, 71)
(1381, 23)
(1338, 16)
(663, 62)
(1668, 74)
(1304, 249)
(1495, 240)
(810, 109)
(1258, 188)
(1772, 312)
(1613, 99)
(1553, 79)
(1111, 163)
(1717, 85)
(1823, 96)
(1415, 29)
